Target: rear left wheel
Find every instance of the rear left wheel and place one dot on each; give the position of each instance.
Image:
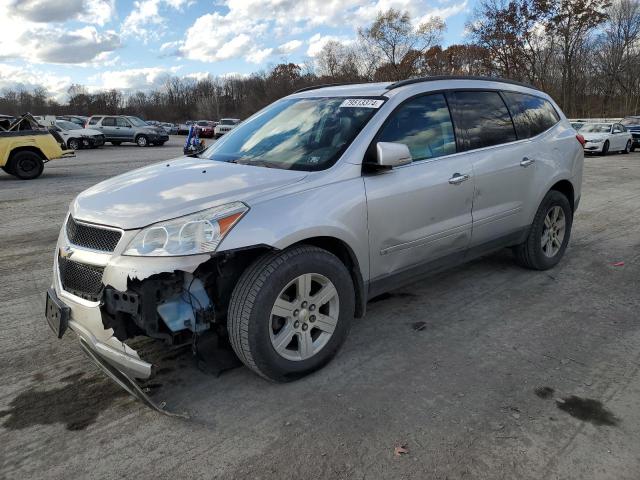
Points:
(290, 312)
(548, 235)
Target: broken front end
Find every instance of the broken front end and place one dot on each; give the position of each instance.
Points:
(108, 297)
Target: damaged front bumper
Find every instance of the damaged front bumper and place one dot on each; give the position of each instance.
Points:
(85, 313)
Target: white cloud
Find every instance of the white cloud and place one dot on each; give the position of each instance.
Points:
(145, 20)
(289, 47)
(317, 43)
(132, 79)
(258, 56)
(96, 12)
(39, 42)
(242, 27)
(28, 77)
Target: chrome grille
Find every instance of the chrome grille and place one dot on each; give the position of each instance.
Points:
(93, 237)
(79, 279)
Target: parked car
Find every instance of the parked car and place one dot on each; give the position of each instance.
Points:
(606, 137)
(76, 138)
(183, 128)
(632, 124)
(119, 128)
(79, 120)
(279, 234)
(170, 128)
(224, 126)
(205, 128)
(25, 146)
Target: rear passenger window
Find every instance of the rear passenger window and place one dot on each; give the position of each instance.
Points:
(94, 120)
(531, 115)
(481, 119)
(108, 122)
(423, 124)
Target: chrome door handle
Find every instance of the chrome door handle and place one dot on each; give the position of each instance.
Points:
(458, 178)
(526, 162)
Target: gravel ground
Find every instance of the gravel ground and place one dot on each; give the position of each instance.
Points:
(485, 371)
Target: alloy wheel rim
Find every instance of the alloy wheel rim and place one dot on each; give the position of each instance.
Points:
(142, 141)
(304, 317)
(553, 231)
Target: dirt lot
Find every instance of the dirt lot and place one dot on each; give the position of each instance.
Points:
(486, 371)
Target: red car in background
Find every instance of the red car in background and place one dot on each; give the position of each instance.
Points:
(205, 128)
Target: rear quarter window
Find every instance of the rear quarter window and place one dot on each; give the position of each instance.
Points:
(94, 120)
(481, 119)
(531, 115)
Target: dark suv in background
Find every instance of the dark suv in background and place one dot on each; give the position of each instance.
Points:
(120, 128)
(632, 124)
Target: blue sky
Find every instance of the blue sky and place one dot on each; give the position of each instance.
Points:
(135, 44)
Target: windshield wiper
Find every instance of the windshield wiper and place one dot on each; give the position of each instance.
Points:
(256, 162)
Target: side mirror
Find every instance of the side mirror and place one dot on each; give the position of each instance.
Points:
(392, 154)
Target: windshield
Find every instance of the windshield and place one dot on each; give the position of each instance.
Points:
(630, 121)
(137, 122)
(297, 134)
(64, 125)
(596, 128)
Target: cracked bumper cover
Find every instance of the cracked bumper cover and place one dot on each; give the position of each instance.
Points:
(85, 315)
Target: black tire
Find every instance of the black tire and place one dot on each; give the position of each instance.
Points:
(26, 165)
(530, 254)
(73, 144)
(86, 143)
(116, 143)
(633, 147)
(142, 141)
(7, 168)
(628, 147)
(605, 148)
(249, 316)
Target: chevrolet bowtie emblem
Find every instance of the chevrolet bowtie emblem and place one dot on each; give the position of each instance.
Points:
(66, 252)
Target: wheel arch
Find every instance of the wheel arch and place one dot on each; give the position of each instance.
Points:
(348, 257)
(28, 148)
(566, 188)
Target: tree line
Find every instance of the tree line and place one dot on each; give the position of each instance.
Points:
(584, 53)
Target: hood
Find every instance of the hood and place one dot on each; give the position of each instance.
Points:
(174, 188)
(83, 131)
(594, 135)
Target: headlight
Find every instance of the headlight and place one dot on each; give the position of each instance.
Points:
(192, 234)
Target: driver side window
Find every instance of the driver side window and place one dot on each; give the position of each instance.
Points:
(424, 125)
(121, 122)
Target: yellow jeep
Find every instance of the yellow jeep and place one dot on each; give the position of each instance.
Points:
(25, 146)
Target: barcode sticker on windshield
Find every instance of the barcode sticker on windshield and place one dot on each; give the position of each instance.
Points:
(362, 103)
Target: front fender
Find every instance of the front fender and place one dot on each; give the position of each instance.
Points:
(337, 210)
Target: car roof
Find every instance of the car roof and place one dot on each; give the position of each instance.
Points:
(434, 83)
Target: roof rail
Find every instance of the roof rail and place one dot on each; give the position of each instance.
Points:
(322, 85)
(434, 78)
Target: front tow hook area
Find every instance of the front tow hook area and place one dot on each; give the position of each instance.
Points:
(128, 383)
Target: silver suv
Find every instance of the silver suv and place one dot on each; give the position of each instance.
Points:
(119, 128)
(277, 235)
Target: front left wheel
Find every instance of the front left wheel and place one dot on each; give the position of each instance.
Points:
(290, 312)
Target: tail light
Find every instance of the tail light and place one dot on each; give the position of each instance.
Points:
(580, 138)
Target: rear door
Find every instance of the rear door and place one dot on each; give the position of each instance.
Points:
(503, 174)
(420, 212)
